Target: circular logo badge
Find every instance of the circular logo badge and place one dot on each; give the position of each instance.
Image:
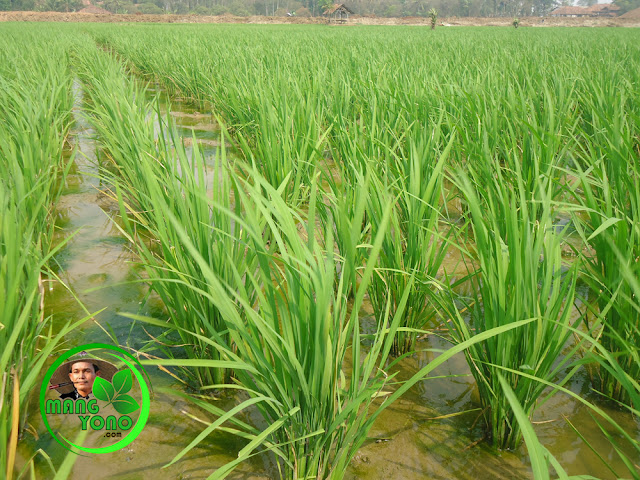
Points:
(98, 394)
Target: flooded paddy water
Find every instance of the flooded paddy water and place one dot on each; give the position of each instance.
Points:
(432, 432)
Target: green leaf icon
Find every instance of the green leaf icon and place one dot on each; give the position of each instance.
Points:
(122, 381)
(125, 404)
(103, 390)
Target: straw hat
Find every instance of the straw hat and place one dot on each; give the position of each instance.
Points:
(61, 376)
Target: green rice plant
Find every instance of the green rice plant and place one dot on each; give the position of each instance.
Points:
(536, 137)
(413, 247)
(21, 319)
(608, 197)
(625, 372)
(171, 272)
(284, 141)
(541, 458)
(521, 276)
(405, 170)
(298, 352)
(291, 348)
(626, 446)
(345, 216)
(624, 443)
(275, 117)
(373, 134)
(157, 177)
(433, 15)
(36, 116)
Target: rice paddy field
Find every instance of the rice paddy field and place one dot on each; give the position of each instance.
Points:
(360, 253)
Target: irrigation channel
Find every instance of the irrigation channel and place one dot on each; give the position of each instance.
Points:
(426, 434)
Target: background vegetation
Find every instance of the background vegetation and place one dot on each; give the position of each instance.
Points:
(305, 8)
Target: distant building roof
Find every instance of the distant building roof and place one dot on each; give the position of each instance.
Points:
(336, 7)
(571, 11)
(604, 7)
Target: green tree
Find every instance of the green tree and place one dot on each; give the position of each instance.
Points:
(433, 15)
(150, 8)
(627, 5)
(114, 6)
(324, 4)
(59, 5)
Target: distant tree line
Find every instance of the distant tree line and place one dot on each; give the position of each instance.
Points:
(380, 8)
(626, 5)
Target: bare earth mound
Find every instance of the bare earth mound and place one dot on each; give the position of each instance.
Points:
(95, 10)
(96, 14)
(632, 15)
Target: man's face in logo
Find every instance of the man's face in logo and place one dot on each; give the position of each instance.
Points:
(83, 374)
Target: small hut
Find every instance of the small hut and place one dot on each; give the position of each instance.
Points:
(571, 12)
(337, 13)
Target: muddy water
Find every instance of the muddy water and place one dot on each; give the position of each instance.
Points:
(180, 118)
(432, 432)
